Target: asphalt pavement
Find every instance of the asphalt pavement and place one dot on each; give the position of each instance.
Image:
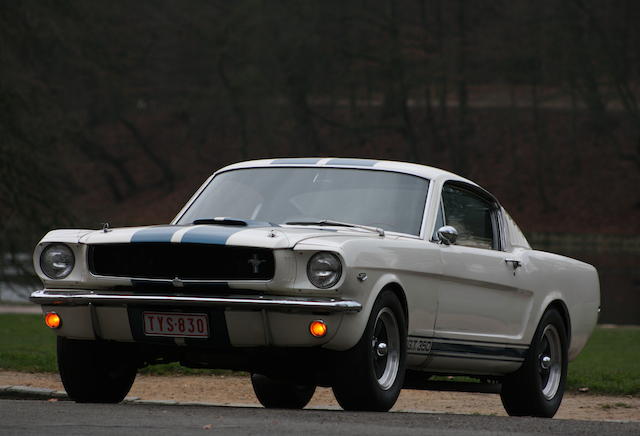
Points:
(29, 417)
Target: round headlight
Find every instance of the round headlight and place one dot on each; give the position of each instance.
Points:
(57, 261)
(324, 270)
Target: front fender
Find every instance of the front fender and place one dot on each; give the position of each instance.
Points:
(353, 325)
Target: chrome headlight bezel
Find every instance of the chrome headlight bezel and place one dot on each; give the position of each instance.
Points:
(64, 257)
(324, 269)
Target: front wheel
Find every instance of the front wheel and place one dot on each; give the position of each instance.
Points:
(95, 371)
(373, 371)
(536, 389)
(277, 394)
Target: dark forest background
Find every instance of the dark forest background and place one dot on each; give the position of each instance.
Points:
(117, 110)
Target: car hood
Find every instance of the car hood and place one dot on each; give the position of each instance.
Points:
(250, 236)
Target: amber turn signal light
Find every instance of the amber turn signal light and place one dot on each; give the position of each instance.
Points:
(318, 328)
(52, 320)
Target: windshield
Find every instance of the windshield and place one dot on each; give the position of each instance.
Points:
(392, 201)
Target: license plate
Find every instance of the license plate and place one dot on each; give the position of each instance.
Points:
(181, 325)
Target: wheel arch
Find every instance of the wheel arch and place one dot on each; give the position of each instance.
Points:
(353, 325)
(561, 307)
(397, 289)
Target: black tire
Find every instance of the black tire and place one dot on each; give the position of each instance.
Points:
(536, 389)
(95, 371)
(368, 379)
(278, 394)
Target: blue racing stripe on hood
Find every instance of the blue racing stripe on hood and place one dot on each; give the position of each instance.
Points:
(155, 234)
(294, 161)
(353, 162)
(210, 234)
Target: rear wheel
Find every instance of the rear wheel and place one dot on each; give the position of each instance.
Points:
(277, 394)
(536, 389)
(373, 371)
(95, 371)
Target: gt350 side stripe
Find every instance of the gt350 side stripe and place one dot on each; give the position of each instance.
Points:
(465, 349)
(479, 349)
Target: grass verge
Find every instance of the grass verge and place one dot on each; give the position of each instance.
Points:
(26, 344)
(610, 363)
(607, 365)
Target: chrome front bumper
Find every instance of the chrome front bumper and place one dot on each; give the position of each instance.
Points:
(272, 303)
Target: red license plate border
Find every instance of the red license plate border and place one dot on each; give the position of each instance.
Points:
(201, 315)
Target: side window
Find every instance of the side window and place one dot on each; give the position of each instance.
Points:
(472, 216)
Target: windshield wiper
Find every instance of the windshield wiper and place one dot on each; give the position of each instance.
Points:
(378, 230)
(222, 221)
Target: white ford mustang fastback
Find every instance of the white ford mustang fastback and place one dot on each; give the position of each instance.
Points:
(367, 276)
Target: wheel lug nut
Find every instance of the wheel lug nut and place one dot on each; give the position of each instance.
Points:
(545, 362)
(381, 349)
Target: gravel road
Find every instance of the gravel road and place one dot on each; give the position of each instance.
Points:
(232, 390)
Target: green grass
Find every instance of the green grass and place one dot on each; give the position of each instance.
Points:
(26, 344)
(609, 364)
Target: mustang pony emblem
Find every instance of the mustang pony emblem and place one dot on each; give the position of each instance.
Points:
(255, 263)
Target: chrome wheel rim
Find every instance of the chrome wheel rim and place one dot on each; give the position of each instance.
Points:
(386, 348)
(550, 361)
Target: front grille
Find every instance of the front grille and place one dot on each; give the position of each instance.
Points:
(185, 261)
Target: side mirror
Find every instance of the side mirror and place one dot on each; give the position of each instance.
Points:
(447, 235)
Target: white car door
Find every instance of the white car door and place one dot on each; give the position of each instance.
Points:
(480, 295)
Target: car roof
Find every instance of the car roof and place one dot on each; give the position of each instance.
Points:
(424, 171)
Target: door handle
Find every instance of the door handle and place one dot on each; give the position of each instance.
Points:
(514, 263)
